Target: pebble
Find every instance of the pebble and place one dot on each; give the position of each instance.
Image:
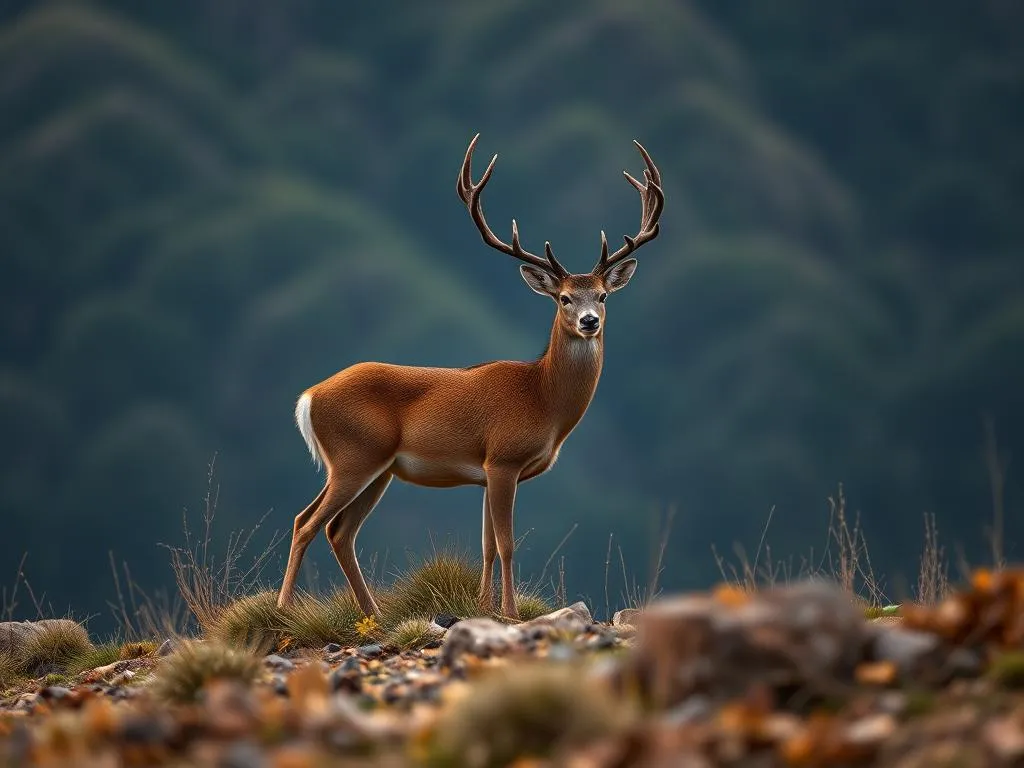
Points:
(243, 754)
(54, 693)
(330, 648)
(371, 651)
(279, 663)
(445, 621)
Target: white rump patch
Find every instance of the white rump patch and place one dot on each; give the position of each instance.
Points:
(305, 424)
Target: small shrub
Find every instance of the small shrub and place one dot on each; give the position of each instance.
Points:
(531, 711)
(253, 621)
(181, 676)
(313, 621)
(411, 634)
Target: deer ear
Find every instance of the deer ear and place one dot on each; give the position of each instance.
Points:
(539, 280)
(619, 275)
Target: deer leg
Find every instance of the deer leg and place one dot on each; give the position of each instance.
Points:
(341, 533)
(501, 495)
(339, 493)
(490, 550)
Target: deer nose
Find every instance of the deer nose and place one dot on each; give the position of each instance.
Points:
(590, 322)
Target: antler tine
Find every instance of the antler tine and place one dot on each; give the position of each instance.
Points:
(469, 193)
(653, 199)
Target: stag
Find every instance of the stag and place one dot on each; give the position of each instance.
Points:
(494, 425)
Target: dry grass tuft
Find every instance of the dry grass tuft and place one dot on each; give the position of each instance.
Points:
(137, 649)
(448, 582)
(532, 711)
(52, 649)
(10, 675)
(531, 605)
(251, 621)
(313, 621)
(182, 675)
(411, 634)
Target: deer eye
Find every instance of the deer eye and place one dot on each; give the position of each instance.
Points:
(601, 298)
(566, 301)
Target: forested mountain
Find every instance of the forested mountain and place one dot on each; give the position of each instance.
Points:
(206, 207)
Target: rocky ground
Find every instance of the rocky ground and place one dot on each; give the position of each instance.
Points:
(790, 676)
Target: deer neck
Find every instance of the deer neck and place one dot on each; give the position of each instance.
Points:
(570, 369)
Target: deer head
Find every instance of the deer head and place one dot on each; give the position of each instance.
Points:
(580, 297)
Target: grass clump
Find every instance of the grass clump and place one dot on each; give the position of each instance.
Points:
(411, 634)
(534, 711)
(10, 675)
(448, 582)
(97, 656)
(183, 674)
(52, 648)
(313, 621)
(253, 621)
(136, 650)
(532, 605)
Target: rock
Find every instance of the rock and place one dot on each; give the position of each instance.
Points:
(480, 637)
(279, 663)
(911, 651)
(808, 636)
(344, 680)
(446, 621)
(110, 669)
(330, 648)
(55, 693)
(627, 617)
(14, 634)
(280, 685)
(371, 651)
(243, 754)
(121, 678)
(572, 618)
(166, 648)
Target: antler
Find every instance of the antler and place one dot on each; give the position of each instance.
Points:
(470, 194)
(653, 202)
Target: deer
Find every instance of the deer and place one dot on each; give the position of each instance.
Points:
(494, 425)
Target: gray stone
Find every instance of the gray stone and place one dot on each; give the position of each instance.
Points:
(572, 618)
(911, 651)
(627, 617)
(166, 648)
(279, 663)
(480, 637)
(371, 651)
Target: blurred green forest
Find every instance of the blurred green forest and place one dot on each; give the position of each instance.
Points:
(206, 207)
